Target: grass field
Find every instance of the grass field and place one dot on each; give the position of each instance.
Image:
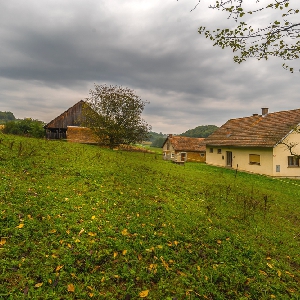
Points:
(81, 222)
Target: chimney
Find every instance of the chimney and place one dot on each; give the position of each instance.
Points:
(264, 111)
(255, 115)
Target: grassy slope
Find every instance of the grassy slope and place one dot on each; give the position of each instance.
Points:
(80, 222)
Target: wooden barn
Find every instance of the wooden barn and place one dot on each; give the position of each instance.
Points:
(67, 126)
(182, 149)
(57, 128)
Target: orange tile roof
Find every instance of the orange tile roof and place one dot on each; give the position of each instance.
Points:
(255, 131)
(182, 143)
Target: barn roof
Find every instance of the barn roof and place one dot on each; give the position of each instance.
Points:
(70, 117)
(264, 130)
(182, 143)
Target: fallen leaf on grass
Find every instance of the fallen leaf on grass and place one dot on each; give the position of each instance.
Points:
(2, 241)
(71, 288)
(92, 234)
(58, 268)
(115, 254)
(125, 232)
(20, 225)
(144, 294)
(38, 284)
(52, 231)
(263, 272)
(181, 273)
(270, 266)
(287, 272)
(124, 252)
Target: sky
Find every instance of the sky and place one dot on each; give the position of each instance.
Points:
(53, 52)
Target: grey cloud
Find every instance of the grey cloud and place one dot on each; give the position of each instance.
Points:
(53, 52)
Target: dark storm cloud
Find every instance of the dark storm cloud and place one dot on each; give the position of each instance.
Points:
(52, 52)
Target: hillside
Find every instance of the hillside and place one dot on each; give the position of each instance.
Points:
(81, 222)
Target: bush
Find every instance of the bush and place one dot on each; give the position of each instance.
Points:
(25, 127)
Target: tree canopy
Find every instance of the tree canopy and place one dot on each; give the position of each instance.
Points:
(114, 114)
(278, 38)
(6, 116)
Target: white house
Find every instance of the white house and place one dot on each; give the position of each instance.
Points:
(266, 144)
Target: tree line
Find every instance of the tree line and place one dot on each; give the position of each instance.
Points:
(25, 127)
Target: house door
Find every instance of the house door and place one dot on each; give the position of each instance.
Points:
(229, 158)
(183, 156)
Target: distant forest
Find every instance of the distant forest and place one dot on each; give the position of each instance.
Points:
(157, 139)
(202, 131)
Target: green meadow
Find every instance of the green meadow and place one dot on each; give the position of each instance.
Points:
(82, 222)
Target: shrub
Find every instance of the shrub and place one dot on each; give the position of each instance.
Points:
(26, 127)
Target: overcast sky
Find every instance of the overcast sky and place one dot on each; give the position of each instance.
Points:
(52, 52)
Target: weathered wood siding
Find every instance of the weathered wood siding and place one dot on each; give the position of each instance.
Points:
(70, 117)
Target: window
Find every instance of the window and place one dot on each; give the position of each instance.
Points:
(254, 159)
(293, 161)
(172, 155)
(211, 150)
(202, 154)
(219, 151)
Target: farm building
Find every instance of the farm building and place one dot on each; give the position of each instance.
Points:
(67, 126)
(264, 144)
(182, 149)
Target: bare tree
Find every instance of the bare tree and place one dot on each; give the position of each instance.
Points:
(280, 38)
(114, 114)
(291, 145)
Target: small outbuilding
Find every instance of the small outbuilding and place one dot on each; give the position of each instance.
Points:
(183, 149)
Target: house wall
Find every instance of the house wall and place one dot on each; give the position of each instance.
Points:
(240, 159)
(167, 151)
(196, 156)
(81, 135)
(281, 153)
